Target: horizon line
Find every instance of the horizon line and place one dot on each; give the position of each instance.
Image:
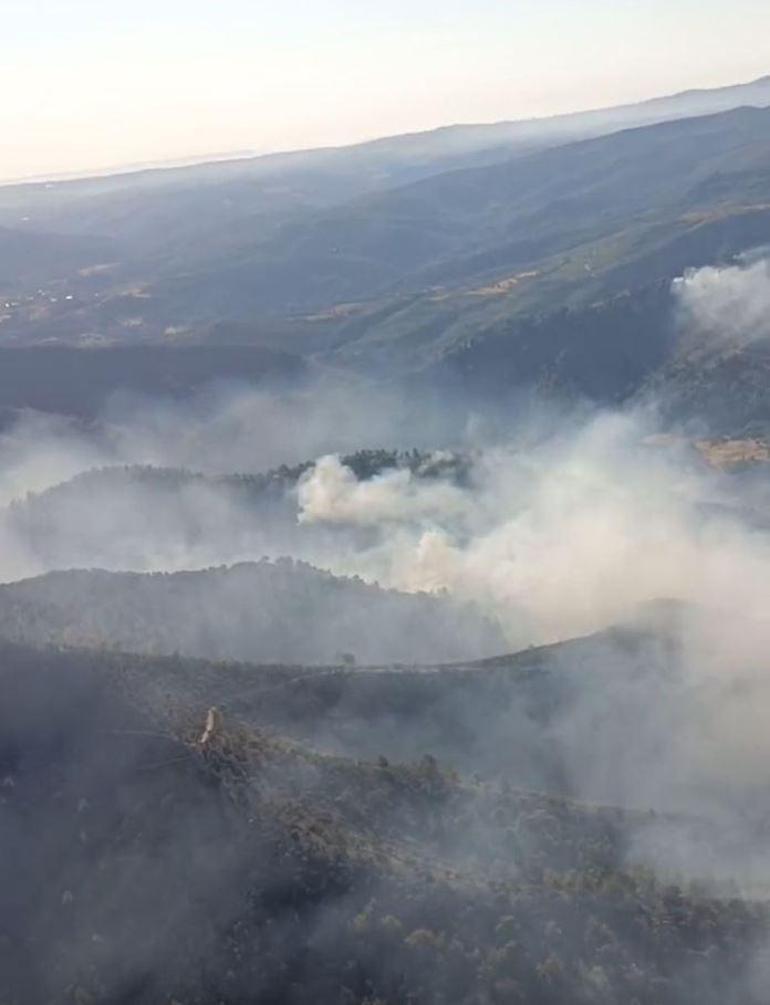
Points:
(235, 156)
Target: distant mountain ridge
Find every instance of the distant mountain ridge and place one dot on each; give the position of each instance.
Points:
(545, 266)
(453, 140)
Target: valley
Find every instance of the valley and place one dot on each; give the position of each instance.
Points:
(384, 550)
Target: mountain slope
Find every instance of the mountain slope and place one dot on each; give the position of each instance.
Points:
(79, 381)
(453, 260)
(177, 221)
(145, 519)
(637, 189)
(463, 277)
(110, 204)
(144, 864)
(30, 257)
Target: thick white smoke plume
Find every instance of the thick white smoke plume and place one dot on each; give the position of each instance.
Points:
(727, 305)
(555, 535)
(333, 494)
(575, 532)
(560, 539)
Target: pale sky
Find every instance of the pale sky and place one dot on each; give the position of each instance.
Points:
(92, 84)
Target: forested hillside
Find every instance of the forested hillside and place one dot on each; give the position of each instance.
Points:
(249, 865)
(268, 612)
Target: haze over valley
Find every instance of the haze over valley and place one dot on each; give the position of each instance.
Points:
(385, 569)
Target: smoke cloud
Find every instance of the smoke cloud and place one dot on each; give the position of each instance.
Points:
(331, 493)
(562, 538)
(727, 305)
(602, 525)
(562, 530)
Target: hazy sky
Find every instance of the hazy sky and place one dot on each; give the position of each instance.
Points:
(87, 84)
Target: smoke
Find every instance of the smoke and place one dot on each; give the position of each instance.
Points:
(226, 428)
(561, 538)
(232, 428)
(558, 537)
(726, 305)
(172, 523)
(38, 451)
(555, 534)
(331, 493)
(177, 520)
(563, 529)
